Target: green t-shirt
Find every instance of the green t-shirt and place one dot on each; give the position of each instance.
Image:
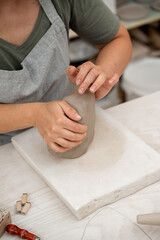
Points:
(91, 19)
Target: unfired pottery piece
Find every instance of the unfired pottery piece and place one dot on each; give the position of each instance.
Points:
(85, 106)
(133, 11)
(156, 5)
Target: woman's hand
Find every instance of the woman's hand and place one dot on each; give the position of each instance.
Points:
(89, 75)
(56, 124)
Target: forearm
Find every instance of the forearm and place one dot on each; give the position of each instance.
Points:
(17, 116)
(114, 56)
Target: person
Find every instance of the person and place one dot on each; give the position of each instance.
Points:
(35, 72)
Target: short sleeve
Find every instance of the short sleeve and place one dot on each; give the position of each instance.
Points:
(93, 21)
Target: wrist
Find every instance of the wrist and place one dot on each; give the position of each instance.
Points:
(35, 112)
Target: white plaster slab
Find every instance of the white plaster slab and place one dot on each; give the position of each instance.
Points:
(142, 117)
(116, 165)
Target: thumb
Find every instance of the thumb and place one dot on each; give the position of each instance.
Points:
(72, 73)
(70, 111)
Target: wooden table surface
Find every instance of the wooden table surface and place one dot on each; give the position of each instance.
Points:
(50, 219)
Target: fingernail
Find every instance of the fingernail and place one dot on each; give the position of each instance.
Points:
(71, 69)
(78, 81)
(93, 88)
(111, 81)
(81, 90)
(77, 116)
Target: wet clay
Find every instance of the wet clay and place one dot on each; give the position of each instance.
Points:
(85, 106)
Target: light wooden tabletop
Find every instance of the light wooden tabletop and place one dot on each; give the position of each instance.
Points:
(50, 219)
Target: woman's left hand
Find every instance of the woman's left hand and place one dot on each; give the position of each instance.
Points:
(89, 75)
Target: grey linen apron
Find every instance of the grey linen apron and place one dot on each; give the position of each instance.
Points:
(43, 76)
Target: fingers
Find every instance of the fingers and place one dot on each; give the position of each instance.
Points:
(101, 93)
(114, 79)
(91, 75)
(69, 111)
(72, 136)
(74, 126)
(66, 143)
(98, 83)
(72, 73)
(73, 115)
(64, 140)
(83, 69)
(60, 132)
(63, 145)
(57, 148)
(106, 87)
(94, 76)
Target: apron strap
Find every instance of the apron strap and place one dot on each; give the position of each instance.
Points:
(50, 10)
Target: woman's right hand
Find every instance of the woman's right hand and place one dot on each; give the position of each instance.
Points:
(56, 123)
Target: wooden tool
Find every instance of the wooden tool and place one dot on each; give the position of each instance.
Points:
(22, 233)
(149, 219)
(5, 219)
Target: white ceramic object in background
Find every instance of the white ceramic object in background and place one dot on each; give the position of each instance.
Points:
(145, 1)
(121, 2)
(140, 51)
(116, 165)
(141, 78)
(111, 99)
(80, 50)
(156, 5)
(133, 11)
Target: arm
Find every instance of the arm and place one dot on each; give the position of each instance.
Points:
(116, 54)
(17, 116)
(57, 130)
(110, 64)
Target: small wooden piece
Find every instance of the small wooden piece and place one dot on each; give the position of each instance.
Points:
(5, 219)
(18, 207)
(26, 208)
(149, 219)
(24, 198)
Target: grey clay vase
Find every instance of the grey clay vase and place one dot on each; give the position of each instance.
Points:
(85, 106)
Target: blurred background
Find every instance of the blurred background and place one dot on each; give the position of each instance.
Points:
(142, 75)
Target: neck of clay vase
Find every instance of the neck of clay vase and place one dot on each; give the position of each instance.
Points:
(75, 90)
